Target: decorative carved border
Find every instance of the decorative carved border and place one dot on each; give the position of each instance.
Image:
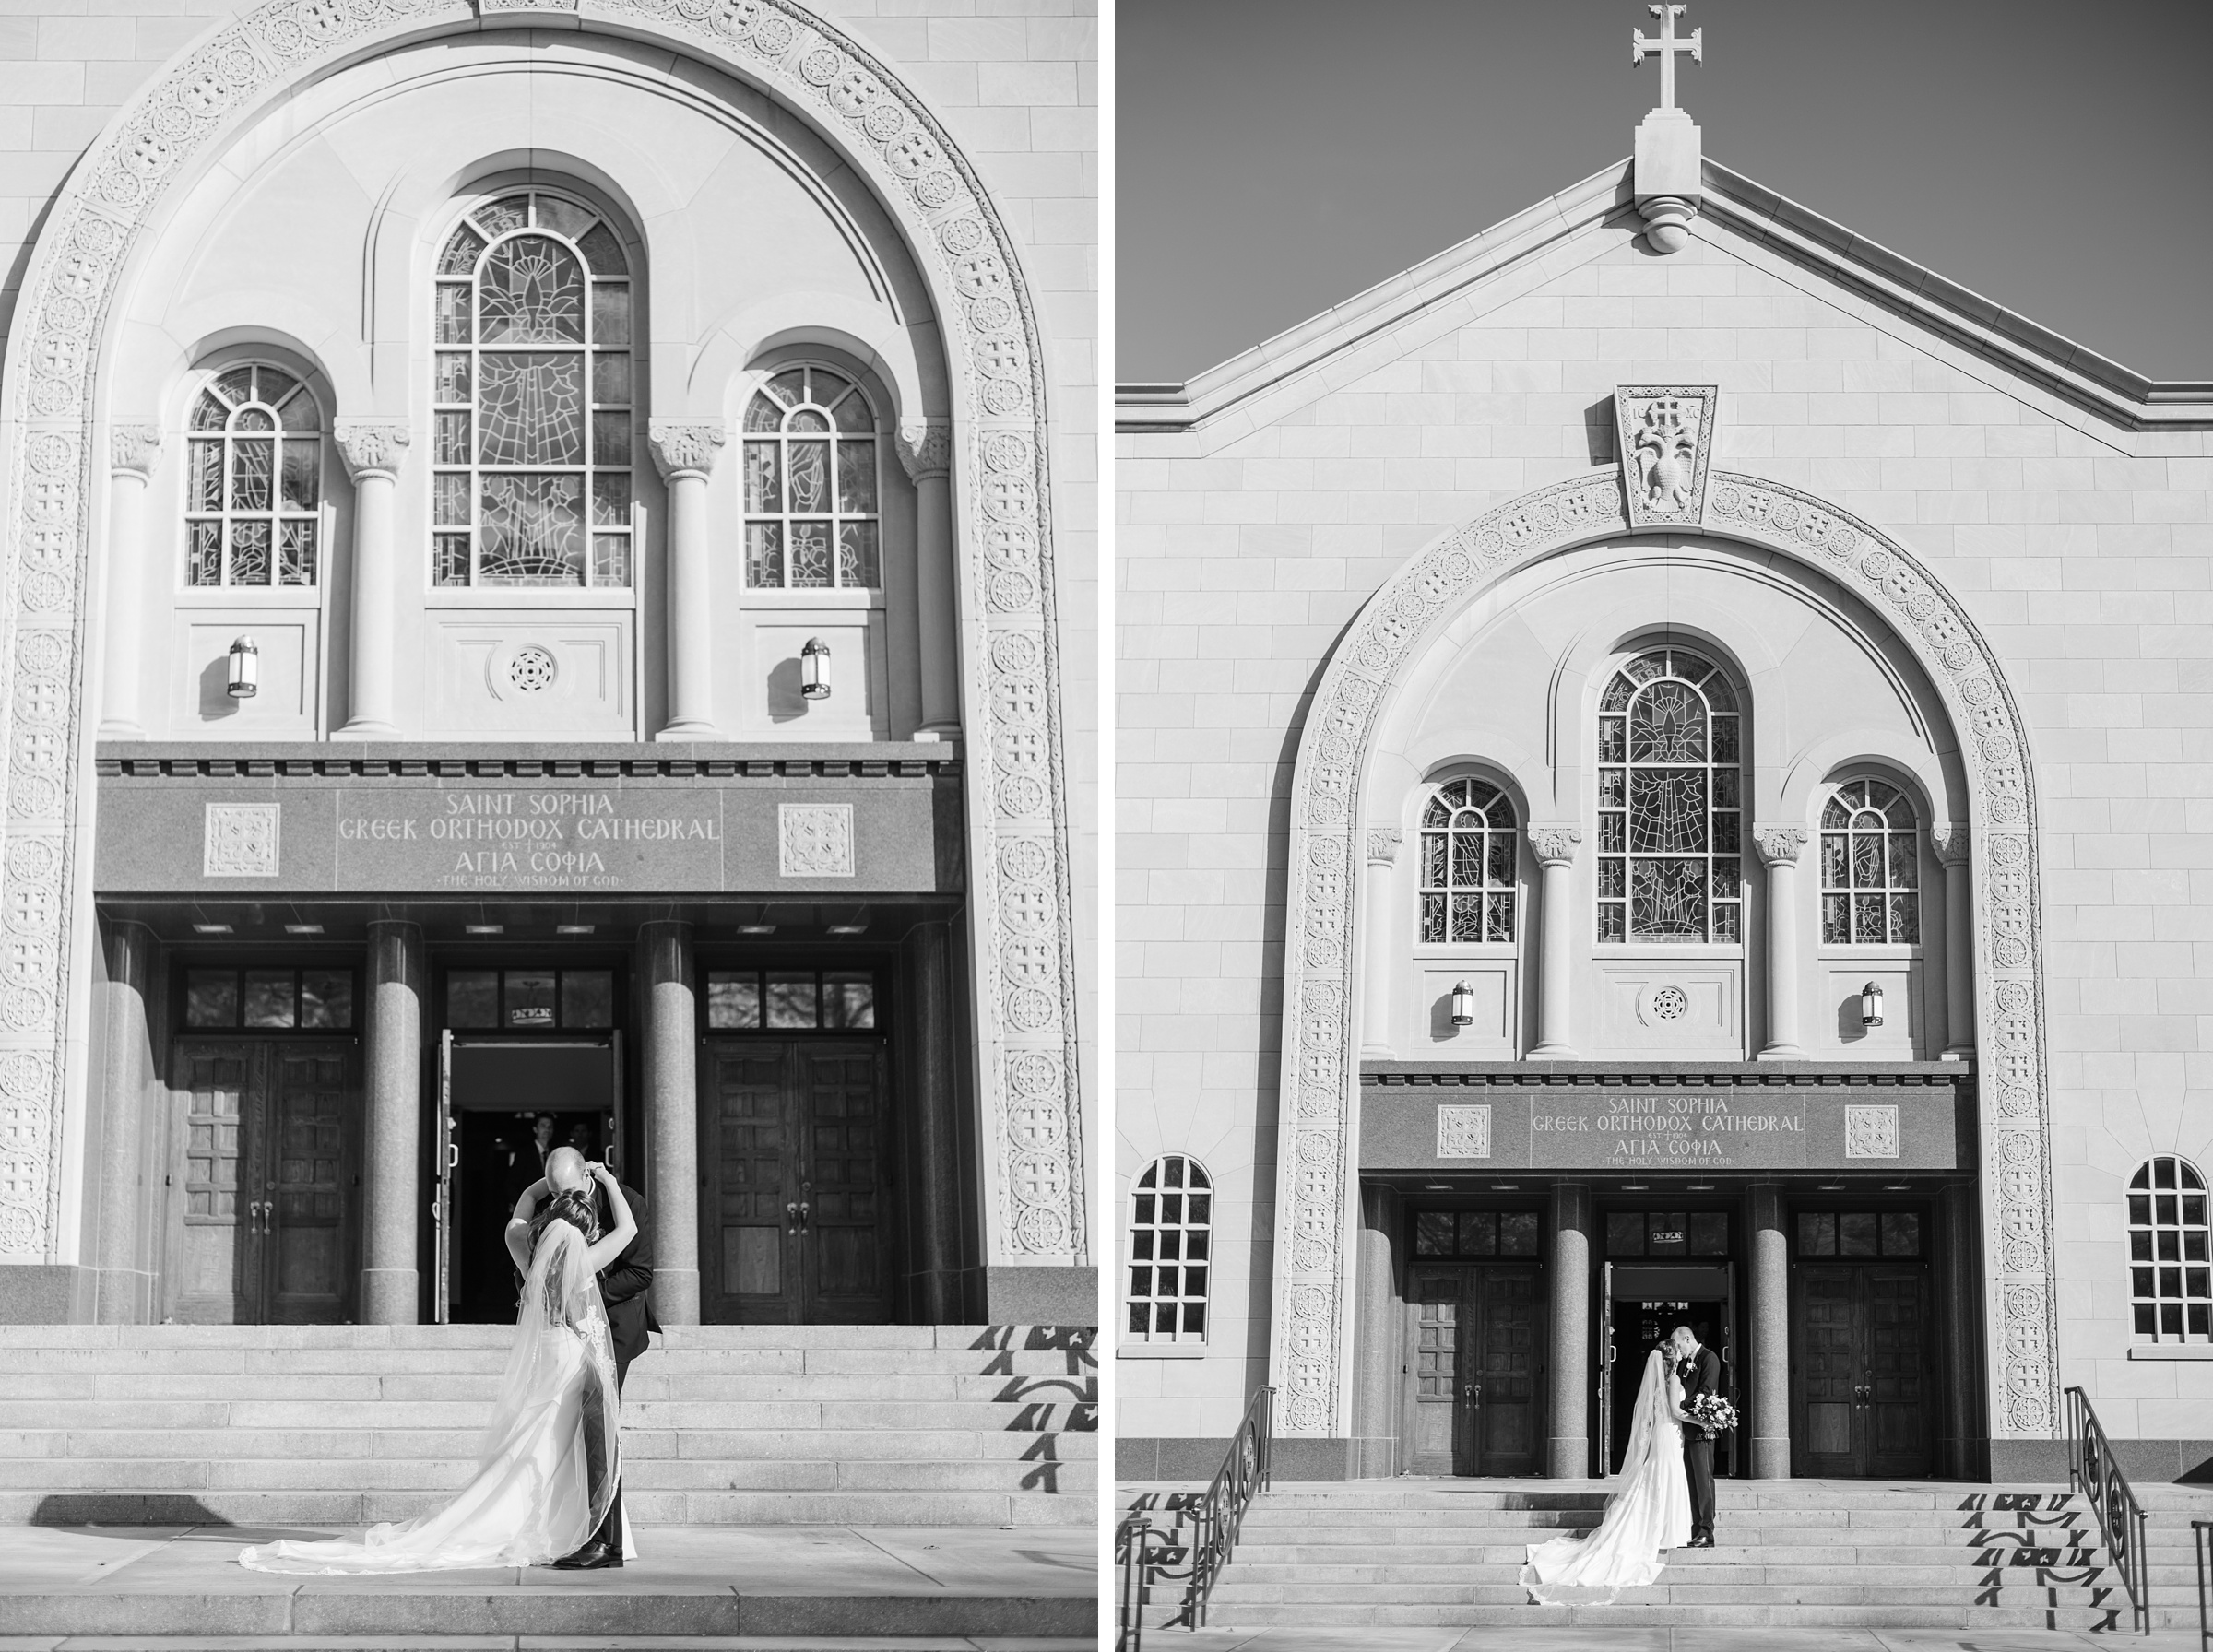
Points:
(1319, 1109)
(1019, 881)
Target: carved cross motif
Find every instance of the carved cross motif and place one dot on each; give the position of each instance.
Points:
(371, 449)
(1666, 435)
(1779, 845)
(1667, 47)
(686, 447)
(1463, 1132)
(1555, 845)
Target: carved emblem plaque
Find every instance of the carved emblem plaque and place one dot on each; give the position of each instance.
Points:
(240, 840)
(1463, 1132)
(1666, 438)
(1871, 1132)
(814, 840)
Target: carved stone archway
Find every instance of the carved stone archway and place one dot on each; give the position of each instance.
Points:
(55, 429)
(1317, 1130)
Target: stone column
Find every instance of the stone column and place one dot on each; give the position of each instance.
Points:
(671, 1118)
(1572, 1379)
(685, 451)
(1554, 849)
(372, 451)
(1771, 1328)
(1951, 845)
(134, 448)
(1379, 920)
(126, 1284)
(926, 450)
(1378, 1330)
(937, 1174)
(1778, 849)
(392, 1177)
(1962, 1447)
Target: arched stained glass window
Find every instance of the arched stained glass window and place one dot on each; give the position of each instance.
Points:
(1171, 1246)
(810, 494)
(1669, 848)
(253, 493)
(2171, 1275)
(533, 399)
(1870, 867)
(1468, 864)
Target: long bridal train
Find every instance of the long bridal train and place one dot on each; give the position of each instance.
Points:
(1650, 1514)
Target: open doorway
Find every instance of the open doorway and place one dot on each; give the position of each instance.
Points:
(1641, 1305)
(509, 1103)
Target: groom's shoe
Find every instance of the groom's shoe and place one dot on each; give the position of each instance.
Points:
(594, 1556)
(1704, 1542)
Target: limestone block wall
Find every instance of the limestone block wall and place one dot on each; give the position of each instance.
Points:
(2082, 549)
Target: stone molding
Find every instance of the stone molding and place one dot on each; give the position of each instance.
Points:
(134, 447)
(1383, 844)
(1779, 845)
(371, 446)
(925, 448)
(686, 446)
(1310, 1354)
(1555, 845)
(1951, 845)
(1021, 889)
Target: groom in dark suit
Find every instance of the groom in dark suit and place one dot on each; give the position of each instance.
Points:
(1700, 1371)
(623, 1285)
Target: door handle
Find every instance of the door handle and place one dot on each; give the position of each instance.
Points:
(805, 1222)
(252, 1216)
(453, 1155)
(1474, 1392)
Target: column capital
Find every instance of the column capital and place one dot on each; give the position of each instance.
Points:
(1950, 843)
(1555, 845)
(686, 446)
(1779, 845)
(371, 446)
(1383, 844)
(133, 447)
(925, 447)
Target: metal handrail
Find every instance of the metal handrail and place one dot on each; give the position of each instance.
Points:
(1133, 1547)
(1219, 1515)
(2121, 1519)
(2201, 1543)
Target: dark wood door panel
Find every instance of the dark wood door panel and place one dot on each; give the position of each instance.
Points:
(1475, 1370)
(1860, 1399)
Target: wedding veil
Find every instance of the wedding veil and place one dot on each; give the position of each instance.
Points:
(1648, 1512)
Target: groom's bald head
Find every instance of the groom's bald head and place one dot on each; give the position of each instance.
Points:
(1685, 1340)
(564, 1169)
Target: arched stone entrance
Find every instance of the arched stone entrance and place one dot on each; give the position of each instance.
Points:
(1313, 1355)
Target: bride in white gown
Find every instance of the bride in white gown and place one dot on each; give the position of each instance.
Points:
(1651, 1511)
(549, 1462)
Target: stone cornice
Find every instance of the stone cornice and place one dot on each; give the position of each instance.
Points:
(1530, 246)
(176, 760)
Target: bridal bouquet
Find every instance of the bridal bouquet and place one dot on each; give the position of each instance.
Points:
(1713, 1414)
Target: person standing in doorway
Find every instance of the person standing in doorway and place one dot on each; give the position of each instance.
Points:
(1700, 1371)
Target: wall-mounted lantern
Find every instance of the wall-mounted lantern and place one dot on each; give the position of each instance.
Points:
(245, 669)
(1870, 1005)
(814, 669)
(1464, 1003)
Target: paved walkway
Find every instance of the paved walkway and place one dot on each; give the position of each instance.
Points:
(1512, 1638)
(181, 1590)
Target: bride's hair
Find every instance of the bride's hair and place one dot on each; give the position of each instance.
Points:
(574, 1206)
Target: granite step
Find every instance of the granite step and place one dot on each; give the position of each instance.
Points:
(360, 1508)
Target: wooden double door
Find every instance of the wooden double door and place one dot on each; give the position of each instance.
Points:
(1475, 1369)
(266, 1223)
(1863, 1371)
(795, 1206)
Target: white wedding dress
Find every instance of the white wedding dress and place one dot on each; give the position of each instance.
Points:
(549, 1462)
(1651, 1511)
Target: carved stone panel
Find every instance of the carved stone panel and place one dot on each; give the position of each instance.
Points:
(241, 839)
(1666, 439)
(814, 840)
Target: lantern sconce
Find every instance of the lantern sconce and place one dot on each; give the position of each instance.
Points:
(245, 669)
(1464, 1003)
(1870, 1005)
(814, 669)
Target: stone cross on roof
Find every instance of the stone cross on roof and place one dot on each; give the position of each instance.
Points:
(1667, 46)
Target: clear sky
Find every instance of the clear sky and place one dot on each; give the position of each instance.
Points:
(1278, 156)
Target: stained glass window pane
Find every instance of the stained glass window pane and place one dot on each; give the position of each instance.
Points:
(236, 385)
(610, 315)
(553, 213)
(810, 554)
(763, 553)
(326, 999)
(453, 376)
(602, 252)
(610, 439)
(791, 999)
(733, 1000)
(853, 414)
(790, 387)
(450, 557)
(269, 998)
(809, 478)
(762, 414)
(450, 443)
(610, 378)
(250, 552)
(857, 554)
(531, 530)
(610, 500)
(300, 413)
(764, 477)
(611, 560)
(452, 319)
(451, 507)
(204, 482)
(857, 476)
(204, 554)
(463, 248)
(1669, 826)
(530, 409)
(806, 422)
(211, 997)
(510, 212)
(303, 485)
(296, 553)
(252, 460)
(211, 412)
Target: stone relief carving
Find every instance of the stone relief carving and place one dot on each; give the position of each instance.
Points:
(1950, 844)
(240, 840)
(686, 446)
(1779, 845)
(1463, 1132)
(814, 840)
(1383, 844)
(134, 447)
(1321, 1091)
(1871, 1132)
(1555, 845)
(1017, 790)
(1667, 437)
(925, 447)
(370, 447)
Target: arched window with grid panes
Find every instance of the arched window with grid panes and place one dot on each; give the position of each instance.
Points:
(1171, 1251)
(2171, 1271)
(1870, 867)
(1670, 801)
(253, 486)
(534, 397)
(1468, 868)
(810, 484)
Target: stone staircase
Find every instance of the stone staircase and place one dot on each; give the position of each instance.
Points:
(1808, 1553)
(725, 1426)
